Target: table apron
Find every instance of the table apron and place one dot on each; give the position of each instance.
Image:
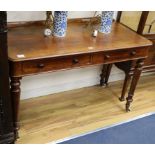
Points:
(44, 65)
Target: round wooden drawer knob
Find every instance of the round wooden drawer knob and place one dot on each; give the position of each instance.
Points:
(75, 61)
(133, 53)
(41, 65)
(107, 56)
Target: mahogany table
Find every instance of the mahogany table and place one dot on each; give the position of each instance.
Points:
(31, 53)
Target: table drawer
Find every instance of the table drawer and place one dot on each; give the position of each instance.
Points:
(81, 60)
(117, 56)
(51, 64)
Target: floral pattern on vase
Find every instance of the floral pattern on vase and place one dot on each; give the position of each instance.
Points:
(106, 21)
(60, 23)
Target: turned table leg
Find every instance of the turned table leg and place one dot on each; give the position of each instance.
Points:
(135, 78)
(105, 74)
(15, 96)
(108, 73)
(125, 85)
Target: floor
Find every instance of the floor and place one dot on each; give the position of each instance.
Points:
(49, 118)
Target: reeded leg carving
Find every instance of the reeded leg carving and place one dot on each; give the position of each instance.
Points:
(125, 85)
(15, 96)
(108, 73)
(136, 76)
(105, 74)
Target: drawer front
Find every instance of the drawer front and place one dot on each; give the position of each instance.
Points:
(81, 60)
(117, 56)
(52, 64)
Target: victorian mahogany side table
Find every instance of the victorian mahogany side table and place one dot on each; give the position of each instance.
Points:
(31, 53)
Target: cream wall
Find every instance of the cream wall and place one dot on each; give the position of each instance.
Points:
(40, 15)
(44, 84)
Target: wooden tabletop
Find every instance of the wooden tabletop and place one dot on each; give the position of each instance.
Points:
(30, 41)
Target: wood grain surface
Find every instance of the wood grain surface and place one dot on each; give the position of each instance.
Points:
(30, 41)
(53, 117)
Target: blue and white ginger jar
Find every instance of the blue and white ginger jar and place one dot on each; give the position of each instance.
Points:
(106, 21)
(60, 23)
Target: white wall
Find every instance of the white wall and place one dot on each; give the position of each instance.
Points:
(44, 84)
(41, 15)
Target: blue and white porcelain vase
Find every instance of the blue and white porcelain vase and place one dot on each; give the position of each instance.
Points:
(106, 21)
(60, 23)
